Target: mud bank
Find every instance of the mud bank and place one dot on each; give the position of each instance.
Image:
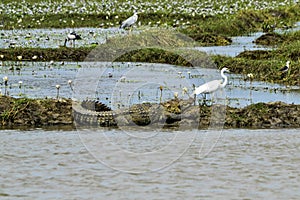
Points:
(52, 112)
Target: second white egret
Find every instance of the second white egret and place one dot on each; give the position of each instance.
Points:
(130, 21)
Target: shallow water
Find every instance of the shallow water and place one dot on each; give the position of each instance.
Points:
(238, 45)
(134, 83)
(54, 38)
(244, 43)
(243, 164)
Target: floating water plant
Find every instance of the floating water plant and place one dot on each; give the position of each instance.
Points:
(20, 88)
(70, 84)
(161, 90)
(5, 80)
(57, 89)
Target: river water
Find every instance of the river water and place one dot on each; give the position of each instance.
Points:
(242, 164)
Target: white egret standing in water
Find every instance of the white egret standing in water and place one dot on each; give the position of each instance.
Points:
(130, 21)
(212, 86)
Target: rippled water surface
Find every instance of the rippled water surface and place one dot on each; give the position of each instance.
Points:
(244, 164)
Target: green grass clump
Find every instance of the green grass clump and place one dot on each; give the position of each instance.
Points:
(265, 65)
(46, 54)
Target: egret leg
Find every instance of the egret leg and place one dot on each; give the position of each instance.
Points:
(204, 102)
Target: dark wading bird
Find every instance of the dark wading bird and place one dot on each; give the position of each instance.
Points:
(285, 69)
(72, 37)
(130, 21)
(212, 86)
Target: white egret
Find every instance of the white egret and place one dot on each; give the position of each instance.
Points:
(130, 21)
(72, 37)
(212, 86)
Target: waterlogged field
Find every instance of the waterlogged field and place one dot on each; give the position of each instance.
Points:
(18, 18)
(222, 164)
(124, 84)
(55, 38)
(180, 13)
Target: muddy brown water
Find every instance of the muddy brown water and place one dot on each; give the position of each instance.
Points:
(57, 164)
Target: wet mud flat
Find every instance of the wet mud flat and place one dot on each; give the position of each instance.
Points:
(20, 112)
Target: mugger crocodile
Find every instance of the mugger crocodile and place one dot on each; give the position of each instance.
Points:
(169, 113)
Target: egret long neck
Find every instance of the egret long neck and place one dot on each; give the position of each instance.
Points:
(225, 79)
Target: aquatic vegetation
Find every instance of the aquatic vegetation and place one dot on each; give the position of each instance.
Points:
(269, 39)
(265, 65)
(224, 17)
(47, 54)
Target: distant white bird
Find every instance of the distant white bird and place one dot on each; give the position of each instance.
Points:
(72, 37)
(212, 86)
(286, 67)
(130, 21)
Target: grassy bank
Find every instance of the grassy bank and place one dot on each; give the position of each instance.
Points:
(52, 112)
(45, 54)
(265, 65)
